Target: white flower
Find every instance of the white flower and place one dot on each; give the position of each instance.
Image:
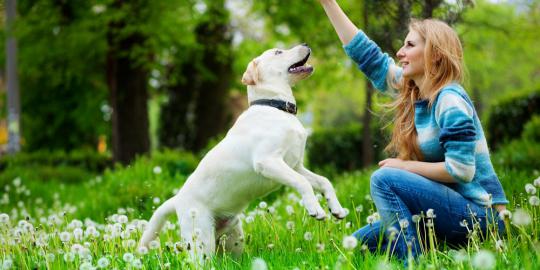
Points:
(521, 218)
(65, 236)
(142, 250)
(193, 212)
(290, 225)
(403, 224)
(103, 262)
(499, 245)
(359, 208)
(7, 264)
(349, 242)
(484, 260)
(122, 219)
(78, 233)
(271, 210)
(17, 182)
(370, 219)
(308, 236)
(530, 189)
(534, 201)
(86, 266)
(69, 257)
(50, 257)
(154, 244)
(249, 219)
(157, 170)
(258, 264)
(128, 257)
(97, 9)
(416, 218)
(77, 248)
(320, 247)
(536, 182)
(289, 209)
(136, 263)
(430, 213)
(505, 214)
(263, 205)
(4, 218)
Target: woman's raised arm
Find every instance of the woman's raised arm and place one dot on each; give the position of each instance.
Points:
(345, 29)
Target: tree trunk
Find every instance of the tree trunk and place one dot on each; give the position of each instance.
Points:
(128, 95)
(13, 100)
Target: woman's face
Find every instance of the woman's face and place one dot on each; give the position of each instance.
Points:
(411, 57)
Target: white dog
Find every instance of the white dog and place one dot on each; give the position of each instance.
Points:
(262, 151)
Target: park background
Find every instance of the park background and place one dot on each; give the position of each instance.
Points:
(118, 100)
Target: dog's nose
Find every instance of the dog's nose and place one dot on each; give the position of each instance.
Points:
(305, 44)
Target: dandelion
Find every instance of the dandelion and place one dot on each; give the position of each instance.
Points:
(17, 182)
(308, 236)
(142, 250)
(156, 200)
(249, 219)
(77, 248)
(97, 9)
(534, 201)
(289, 209)
(430, 213)
(136, 263)
(86, 266)
(103, 262)
(4, 218)
(263, 205)
(290, 225)
(348, 224)
(499, 245)
(320, 247)
(69, 257)
(122, 219)
(157, 170)
(7, 264)
(78, 234)
(459, 256)
(464, 223)
(521, 218)
(349, 242)
(359, 208)
(530, 189)
(403, 224)
(376, 216)
(128, 257)
(154, 244)
(505, 214)
(65, 236)
(484, 260)
(370, 219)
(193, 212)
(416, 218)
(271, 210)
(50, 257)
(536, 182)
(258, 264)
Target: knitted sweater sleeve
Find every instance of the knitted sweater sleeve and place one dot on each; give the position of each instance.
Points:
(454, 116)
(380, 68)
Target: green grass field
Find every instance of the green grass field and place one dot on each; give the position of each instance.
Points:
(96, 224)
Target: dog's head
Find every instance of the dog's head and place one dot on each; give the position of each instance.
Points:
(279, 66)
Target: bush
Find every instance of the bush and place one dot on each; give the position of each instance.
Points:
(508, 116)
(84, 159)
(518, 154)
(531, 131)
(340, 149)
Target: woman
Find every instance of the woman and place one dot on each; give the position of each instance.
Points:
(442, 160)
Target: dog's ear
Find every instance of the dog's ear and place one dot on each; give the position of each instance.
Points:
(251, 76)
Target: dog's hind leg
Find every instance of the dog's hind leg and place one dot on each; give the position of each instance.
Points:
(198, 232)
(156, 222)
(322, 184)
(231, 238)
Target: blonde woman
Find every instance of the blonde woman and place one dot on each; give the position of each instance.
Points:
(442, 165)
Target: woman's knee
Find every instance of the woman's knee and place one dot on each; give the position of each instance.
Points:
(383, 177)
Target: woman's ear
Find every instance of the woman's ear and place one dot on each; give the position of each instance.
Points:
(251, 76)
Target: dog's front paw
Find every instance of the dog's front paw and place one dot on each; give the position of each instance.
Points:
(314, 209)
(340, 213)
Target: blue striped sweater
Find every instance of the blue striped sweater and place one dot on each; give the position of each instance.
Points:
(448, 131)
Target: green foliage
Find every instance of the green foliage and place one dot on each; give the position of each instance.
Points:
(84, 159)
(340, 149)
(531, 131)
(519, 155)
(508, 116)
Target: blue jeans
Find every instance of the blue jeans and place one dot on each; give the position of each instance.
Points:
(399, 194)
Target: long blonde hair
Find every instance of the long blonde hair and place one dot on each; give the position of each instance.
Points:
(443, 56)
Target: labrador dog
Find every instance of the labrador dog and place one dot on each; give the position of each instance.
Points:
(262, 151)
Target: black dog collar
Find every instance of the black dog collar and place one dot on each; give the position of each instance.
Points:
(279, 104)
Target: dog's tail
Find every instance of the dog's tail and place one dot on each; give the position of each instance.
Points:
(156, 222)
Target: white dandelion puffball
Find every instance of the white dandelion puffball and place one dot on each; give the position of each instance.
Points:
(156, 200)
(521, 217)
(249, 219)
(65, 236)
(530, 189)
(122, 219)
(289, 209)
(128, 257)
(157, 170)
(308, 236)
(349, 242)
(4, 218)
(86, 266)
(154, 244)
(416, 218)
(484, 260)
(142, 250)
(103, 262)
(534, 201)
(370, 219)
(403, 224)
(430, 213)
(536, 182)
(263, 205)
(258, 264)
(505, 214)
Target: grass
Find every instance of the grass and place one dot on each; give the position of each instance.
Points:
(54, 225)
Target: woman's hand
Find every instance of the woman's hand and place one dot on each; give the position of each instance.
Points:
(394, 163)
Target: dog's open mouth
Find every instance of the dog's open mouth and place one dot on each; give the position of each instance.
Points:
(301, 67)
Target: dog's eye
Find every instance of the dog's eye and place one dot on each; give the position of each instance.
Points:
(278, 52)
